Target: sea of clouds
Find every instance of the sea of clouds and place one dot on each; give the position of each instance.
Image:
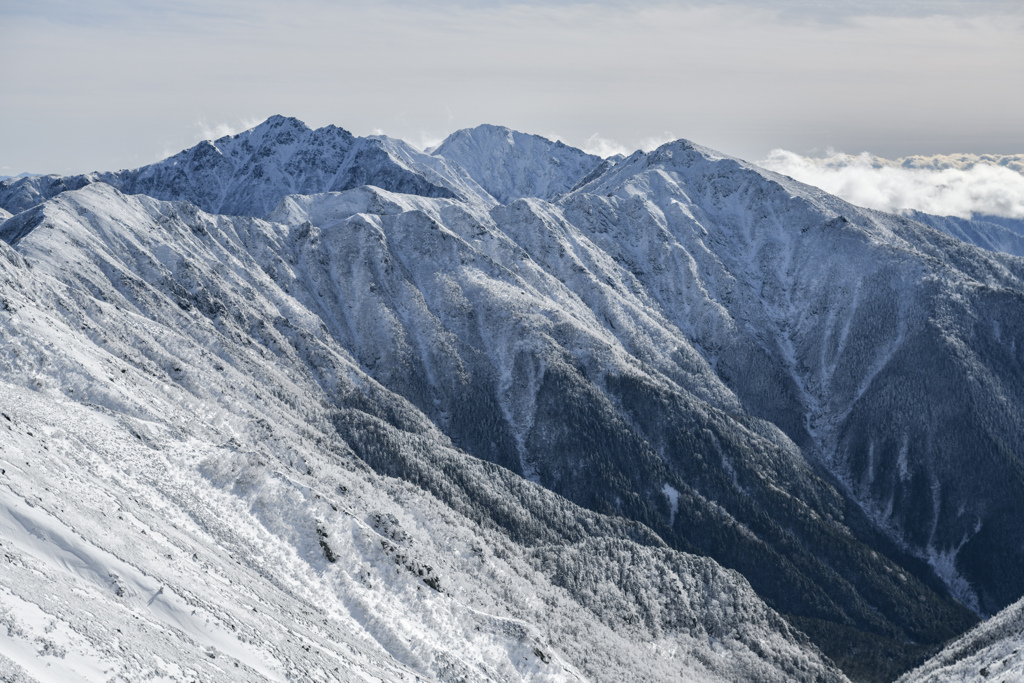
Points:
(961, 185)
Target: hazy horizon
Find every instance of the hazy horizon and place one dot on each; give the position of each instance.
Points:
(109, 85)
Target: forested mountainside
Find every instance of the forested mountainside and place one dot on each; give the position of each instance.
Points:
(727, 363)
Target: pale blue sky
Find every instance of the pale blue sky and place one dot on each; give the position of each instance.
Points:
(106, 85)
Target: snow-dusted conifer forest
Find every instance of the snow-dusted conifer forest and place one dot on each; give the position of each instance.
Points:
(298, 405)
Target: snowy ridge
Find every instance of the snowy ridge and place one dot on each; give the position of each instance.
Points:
(178, 423)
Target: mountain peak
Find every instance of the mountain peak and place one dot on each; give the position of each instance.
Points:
(512, 165)
(486, 131)
(280, 121)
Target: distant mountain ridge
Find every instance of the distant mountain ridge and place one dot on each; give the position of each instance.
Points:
(249, 173)
(826, 399)
(994, 233)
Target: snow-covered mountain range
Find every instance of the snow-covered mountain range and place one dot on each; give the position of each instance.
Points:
(312, 405)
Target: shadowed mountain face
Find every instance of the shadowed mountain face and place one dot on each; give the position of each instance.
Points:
(826, 399)
(901, 346)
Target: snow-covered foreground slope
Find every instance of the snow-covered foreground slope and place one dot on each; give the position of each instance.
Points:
(992, 651)
(180, 496)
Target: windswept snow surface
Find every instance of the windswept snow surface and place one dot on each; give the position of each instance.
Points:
(180, 498)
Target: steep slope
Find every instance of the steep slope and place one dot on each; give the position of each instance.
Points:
(992, 651)
(533, 348)
(247, 174)
(815, 313)
(512, 165)
(185, 471)
(892, 351)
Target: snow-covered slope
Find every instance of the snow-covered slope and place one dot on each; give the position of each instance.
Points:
(534, 348)
(511, 165)
(813, 312)
(184, 494)
(827, 399)
(248, 173)
(831, 311)
(993, 651)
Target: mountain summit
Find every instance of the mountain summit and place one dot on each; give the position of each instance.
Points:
(512, 165)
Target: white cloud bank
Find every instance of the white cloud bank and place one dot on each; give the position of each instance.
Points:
(740, 76)
(946, 185)
(215, 131)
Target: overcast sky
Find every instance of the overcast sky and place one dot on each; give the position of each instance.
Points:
(106, 85)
